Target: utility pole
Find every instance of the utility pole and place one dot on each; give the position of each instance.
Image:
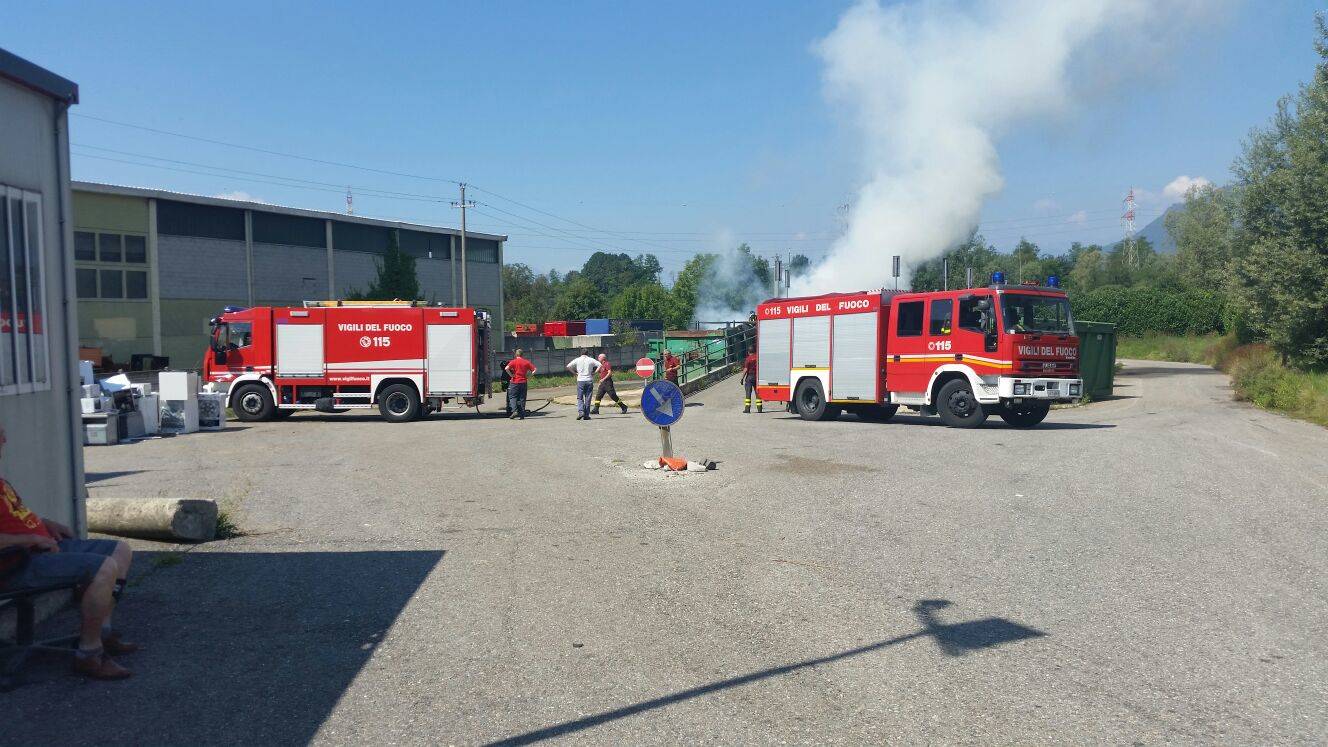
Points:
(465, 301)
(1127, 219)
(945, 273)
(779, 276)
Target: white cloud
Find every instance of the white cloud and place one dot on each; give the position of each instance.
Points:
(1046, 205)
(239, 195)
(1078, 218)
(1176, 190)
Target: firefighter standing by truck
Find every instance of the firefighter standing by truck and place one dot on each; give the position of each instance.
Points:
(749, 383)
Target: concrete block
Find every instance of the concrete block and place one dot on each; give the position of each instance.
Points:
(181, 519)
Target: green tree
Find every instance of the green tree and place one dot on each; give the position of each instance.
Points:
(1282, 269)
(1089, 270)
(642, 301)
(579, 299)
(612, 273)
(396, 278)
(1205, 235)
(687, 287)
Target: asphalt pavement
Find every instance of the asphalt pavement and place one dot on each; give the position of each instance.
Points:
(1147, 569)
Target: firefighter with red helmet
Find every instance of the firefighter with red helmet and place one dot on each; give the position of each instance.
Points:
(749, 383)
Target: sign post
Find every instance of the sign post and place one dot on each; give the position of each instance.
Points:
(662, 405)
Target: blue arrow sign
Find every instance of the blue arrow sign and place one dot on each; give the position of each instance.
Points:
(661, 403)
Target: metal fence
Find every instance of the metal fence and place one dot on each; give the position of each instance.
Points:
(703, 356)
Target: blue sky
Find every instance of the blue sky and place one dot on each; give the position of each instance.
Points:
(661, 128)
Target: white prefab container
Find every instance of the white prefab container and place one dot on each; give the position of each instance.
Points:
(179, 416)
(177, 386)
(211, 412)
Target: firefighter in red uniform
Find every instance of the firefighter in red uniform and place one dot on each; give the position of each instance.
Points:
(749, 383)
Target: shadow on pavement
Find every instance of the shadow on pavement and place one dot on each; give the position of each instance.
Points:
(953, 639)
(90, 477)
(239, 648)
(993, 423)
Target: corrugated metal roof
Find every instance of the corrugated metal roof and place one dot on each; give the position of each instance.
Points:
(166, 194)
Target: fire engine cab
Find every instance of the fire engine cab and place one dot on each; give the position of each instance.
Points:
(1007, 350)
(405, 358)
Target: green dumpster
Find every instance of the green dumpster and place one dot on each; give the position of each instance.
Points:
(1097, 357)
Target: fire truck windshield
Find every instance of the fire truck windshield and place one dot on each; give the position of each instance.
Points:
(1023, 312)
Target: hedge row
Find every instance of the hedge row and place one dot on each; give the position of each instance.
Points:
(1137, 311)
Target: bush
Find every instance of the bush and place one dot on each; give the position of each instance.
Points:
(1138, 311)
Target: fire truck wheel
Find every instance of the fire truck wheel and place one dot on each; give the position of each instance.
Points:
(253, 402)
(1026, 414)
(810, 401)
(398, 403)
(958, 407)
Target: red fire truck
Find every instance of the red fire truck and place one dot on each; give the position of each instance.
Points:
(405, 358)
(1007, 350)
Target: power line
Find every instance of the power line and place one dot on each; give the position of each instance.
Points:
(325, 162)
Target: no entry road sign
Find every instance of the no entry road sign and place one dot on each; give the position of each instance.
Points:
(645, 368)
(661, 403)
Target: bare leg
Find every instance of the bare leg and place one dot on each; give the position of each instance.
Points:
(97, 605)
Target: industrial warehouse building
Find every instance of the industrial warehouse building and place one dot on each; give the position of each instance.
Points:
(152, 267)
(39, 409)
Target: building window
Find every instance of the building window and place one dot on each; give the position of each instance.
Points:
(112, 284)
(24, 358)
(135, 249)
(136, 284)
(109, 247)
(103, 259)
(201, 221)
(481, 250)
(86, 279)
(85, 246)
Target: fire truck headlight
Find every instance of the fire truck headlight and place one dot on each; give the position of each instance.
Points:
(1020, 389)
(1074, 390)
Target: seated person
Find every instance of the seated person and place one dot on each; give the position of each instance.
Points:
(55, 556)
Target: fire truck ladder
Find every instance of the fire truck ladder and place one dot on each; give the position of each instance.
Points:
(395, 303)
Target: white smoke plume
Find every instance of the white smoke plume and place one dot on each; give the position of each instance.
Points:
(932, 85)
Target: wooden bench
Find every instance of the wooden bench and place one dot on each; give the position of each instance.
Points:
(20, 611)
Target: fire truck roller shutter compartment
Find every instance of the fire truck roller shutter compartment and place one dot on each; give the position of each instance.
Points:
(811, 342)
(450, 359)
(772, 356)
(300, 350)
(853, 363)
